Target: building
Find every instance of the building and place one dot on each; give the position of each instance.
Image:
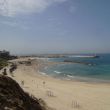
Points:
(4, 54)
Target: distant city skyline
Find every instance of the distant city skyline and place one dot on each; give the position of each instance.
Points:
(55, 26)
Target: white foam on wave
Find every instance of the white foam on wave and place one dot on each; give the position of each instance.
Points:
(69, 76)
(58, 72)
(43, 73)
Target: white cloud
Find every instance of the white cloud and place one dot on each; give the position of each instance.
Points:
(15, 7)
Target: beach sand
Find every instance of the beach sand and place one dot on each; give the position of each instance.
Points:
(62, 94)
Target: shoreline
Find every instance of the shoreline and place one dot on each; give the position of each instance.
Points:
(43, 62)
(77, 79)
(62, 94)
(70, 77)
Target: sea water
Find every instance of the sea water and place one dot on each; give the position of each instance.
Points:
(88, 69)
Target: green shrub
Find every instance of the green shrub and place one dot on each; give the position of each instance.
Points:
(3, 63)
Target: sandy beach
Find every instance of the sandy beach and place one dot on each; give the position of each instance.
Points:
(61, 94)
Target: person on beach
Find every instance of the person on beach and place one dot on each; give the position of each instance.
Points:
(44, 83)
(22, 82)
(5, 72)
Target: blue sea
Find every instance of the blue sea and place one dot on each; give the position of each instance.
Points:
(89, 69)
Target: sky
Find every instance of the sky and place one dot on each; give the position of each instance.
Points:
(55, 26)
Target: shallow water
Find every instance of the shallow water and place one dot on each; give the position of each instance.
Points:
(97, 68)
